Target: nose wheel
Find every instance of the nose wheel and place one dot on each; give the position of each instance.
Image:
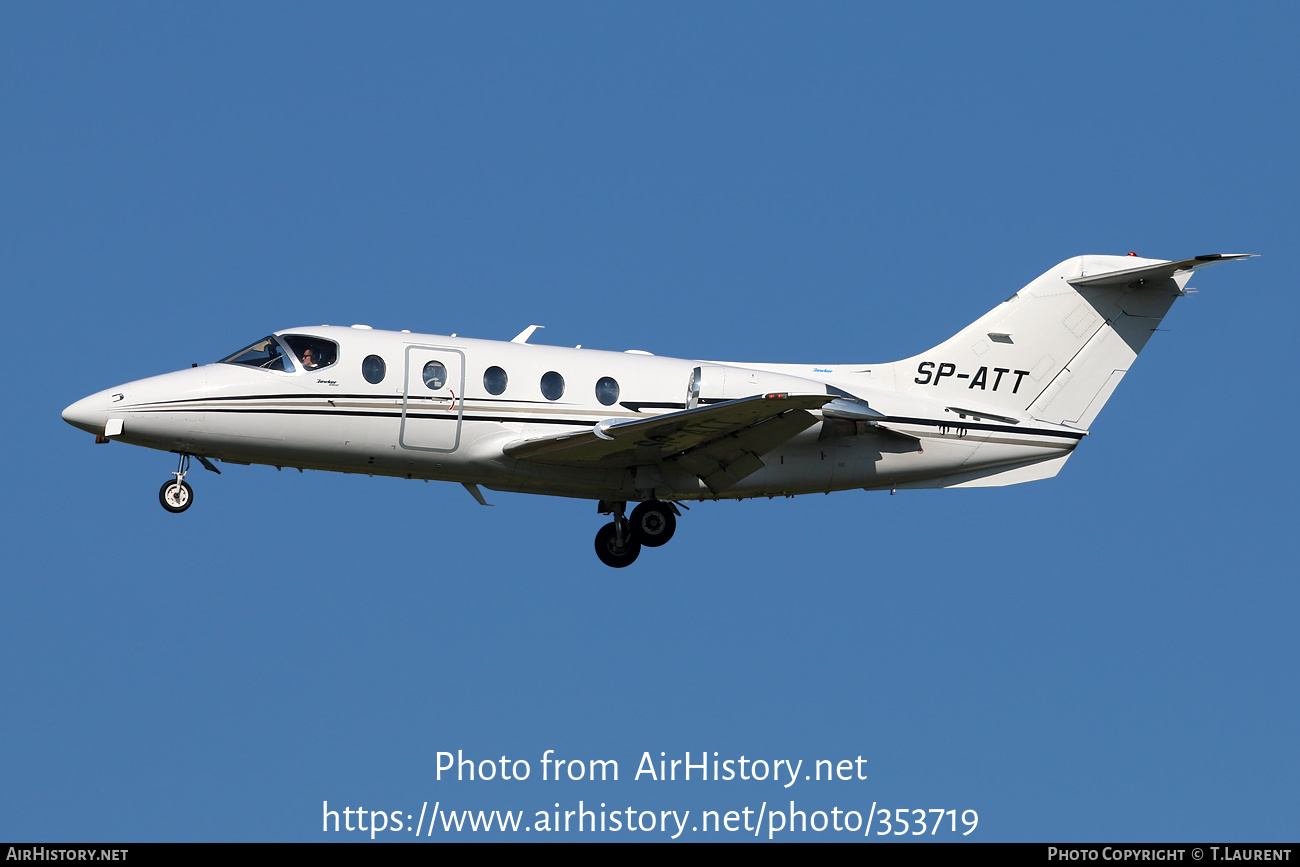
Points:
(176, 495)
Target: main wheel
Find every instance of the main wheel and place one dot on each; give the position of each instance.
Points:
(610, 553)
(653, 523)
(175, 498)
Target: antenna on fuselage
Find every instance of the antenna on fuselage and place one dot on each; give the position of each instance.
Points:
(522, 336)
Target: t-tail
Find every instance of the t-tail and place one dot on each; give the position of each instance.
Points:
(1056, 350)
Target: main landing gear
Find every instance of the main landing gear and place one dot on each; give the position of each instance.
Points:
(619, 542)
(176, 495)
(654, 523)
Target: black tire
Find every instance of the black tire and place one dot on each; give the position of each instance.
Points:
(178, 501)
(653, 523)
(607, 551)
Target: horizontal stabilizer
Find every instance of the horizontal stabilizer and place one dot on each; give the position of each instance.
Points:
(1160, 271)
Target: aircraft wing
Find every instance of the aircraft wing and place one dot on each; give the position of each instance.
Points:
(1155, 272)
(720, 443)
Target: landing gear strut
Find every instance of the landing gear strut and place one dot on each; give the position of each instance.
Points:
(176, 495)
(616, 544)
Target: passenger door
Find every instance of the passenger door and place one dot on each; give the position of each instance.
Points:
(433, 398)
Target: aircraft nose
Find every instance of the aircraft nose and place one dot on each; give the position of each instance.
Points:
(90, 413)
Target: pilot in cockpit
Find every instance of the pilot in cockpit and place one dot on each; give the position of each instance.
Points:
(313, 353)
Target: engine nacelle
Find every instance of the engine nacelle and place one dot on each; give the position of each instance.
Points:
(711, 383)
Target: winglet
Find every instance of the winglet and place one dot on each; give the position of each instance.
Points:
(522, 336)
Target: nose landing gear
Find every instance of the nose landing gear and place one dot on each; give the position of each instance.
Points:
(619, 542)
(176, 496)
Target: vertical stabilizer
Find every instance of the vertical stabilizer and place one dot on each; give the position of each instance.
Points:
(1056, 349)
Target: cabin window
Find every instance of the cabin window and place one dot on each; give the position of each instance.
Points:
(265, 354)
(435, 375)
(373, 369)
(552, 385)
(607, 390)
(494, 380)
(313, 353)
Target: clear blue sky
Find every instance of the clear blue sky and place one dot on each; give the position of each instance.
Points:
(1109, 655)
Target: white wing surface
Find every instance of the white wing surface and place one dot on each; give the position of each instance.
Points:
(720, 444)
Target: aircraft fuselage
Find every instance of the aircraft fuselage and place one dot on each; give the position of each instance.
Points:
(334, 419)
(1003, 401)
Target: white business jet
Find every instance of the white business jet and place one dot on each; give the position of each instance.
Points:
(1004, 401)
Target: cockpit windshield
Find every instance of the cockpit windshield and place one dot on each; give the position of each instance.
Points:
(265, 354)
(278, 353)
(313, 353)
